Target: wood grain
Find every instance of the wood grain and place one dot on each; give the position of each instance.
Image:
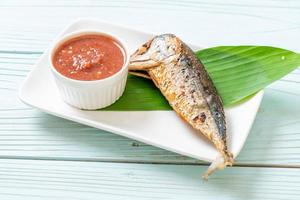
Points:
(28, 133)
(273, 23)
(91, 162)
(39, 135)
(32, 179)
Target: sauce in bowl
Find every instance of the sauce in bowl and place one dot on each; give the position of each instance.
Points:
(89, 57)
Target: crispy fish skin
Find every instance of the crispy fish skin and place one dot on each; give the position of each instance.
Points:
(184, 82)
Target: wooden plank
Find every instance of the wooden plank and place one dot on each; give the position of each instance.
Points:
(34, 179)
(29, 133)
(262, 22)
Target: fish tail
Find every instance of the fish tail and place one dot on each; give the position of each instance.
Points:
(228, 157)
(220, 162)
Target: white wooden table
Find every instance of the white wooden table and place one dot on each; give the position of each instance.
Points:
(45, 157)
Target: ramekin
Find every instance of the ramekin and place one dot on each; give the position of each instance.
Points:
(90, 95)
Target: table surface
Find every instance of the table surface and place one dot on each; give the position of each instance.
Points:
(45, 157)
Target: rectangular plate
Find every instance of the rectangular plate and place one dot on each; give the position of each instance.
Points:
(163, 129)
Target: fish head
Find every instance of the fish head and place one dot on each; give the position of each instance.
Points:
(161, 49)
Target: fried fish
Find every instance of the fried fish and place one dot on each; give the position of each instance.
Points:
(183, 80)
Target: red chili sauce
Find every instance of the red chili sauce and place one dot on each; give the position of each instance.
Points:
(89, 57)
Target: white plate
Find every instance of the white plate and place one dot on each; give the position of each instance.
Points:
(158, 128)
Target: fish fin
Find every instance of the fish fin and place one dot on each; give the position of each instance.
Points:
(142, 64)
(140, 74)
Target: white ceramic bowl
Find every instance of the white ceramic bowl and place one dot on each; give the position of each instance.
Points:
(90, 95)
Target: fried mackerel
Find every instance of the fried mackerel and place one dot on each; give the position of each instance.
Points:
(183, 80)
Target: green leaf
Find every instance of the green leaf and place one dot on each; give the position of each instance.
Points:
(240, 71)
(237, 72)
(140, 94)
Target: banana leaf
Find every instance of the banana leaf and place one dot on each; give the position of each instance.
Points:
(236, 71)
